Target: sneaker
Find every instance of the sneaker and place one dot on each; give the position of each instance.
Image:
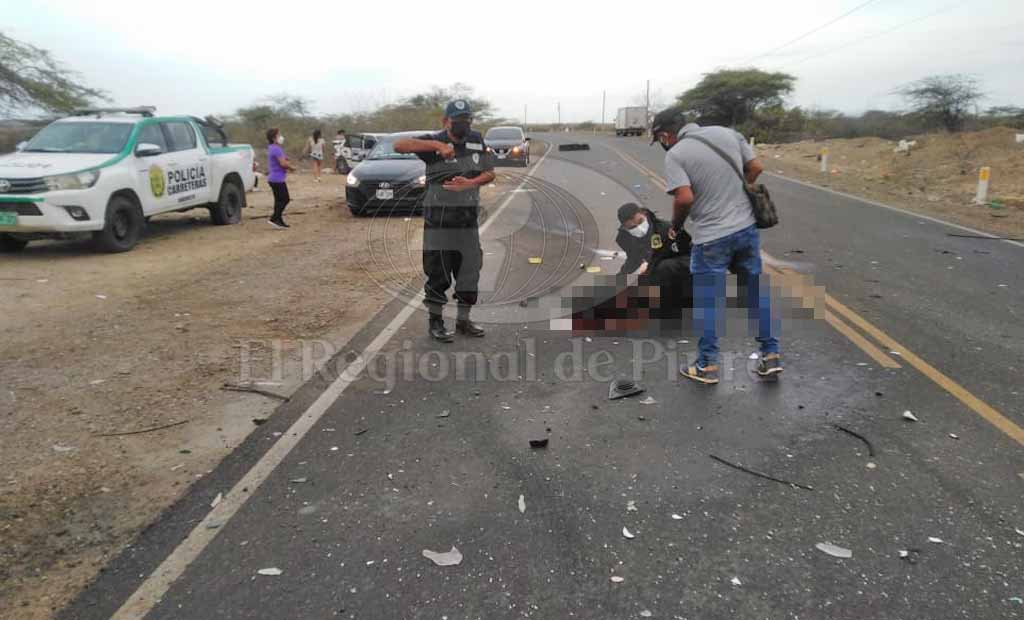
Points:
(707, 374)
(280, 225)
(770, 364)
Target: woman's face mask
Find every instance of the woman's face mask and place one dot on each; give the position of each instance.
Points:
(640, 230)
(280, 139)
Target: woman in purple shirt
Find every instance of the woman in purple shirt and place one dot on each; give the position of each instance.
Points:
(278, 166)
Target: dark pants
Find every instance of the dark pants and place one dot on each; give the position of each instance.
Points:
(281, 198)
(451, 254)
(672, 276)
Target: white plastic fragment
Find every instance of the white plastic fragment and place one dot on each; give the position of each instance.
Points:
(954, 436)
(627, 533)
(450, 558)
(648, 401)
(59, 448)
(98, 296)
(871, 465)
(617, 579)
(677, 517)
(909, 417)
(904, 553)
(646, 613)
(1019, 531)
(270, 572)
(934, 540)
(753, 356)
(522, 504)
(834, 550)
(631, 506)
(216, 500)
(736, 581)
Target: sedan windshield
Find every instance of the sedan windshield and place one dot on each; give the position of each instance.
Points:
(504, 133)
(386, 150)
(80, 138)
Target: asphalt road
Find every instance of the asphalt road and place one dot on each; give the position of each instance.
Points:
(428, 456)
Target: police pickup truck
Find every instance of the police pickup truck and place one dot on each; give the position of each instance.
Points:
(105, 172)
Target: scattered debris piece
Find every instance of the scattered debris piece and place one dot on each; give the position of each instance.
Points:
(909, 417)
(593, 269)
(97, 381)
(234, 387)
(539, 443)
(522, 504)
(677, 517)
(954, 436)
(761, 475)
(631, 506)
(910, 555)
(444, 414)
(216, 500)
(617, 579)
(450, 558)
(299, 480)
(59, 448)
(753, 356)
(144, 430)
(736, 581)
(935, 541)
(871, 465)
(646, 613)
(621, 388)
(98, 296)
(871, 448)
(535, 260)
(1019, 531)
(627, 534)
(834, 550)
(360, 431)
(259, 421)
(1016, 599)
(649, 401)
(270, 572)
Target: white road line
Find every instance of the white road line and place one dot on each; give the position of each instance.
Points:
(896, 209)
(142, 601)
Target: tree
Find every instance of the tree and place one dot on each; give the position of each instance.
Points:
(32, 80)
(943, 100)
(731, 96)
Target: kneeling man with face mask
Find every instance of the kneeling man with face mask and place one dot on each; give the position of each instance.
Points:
(651, 253)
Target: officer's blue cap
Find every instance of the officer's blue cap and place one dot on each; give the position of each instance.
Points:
(458, 107)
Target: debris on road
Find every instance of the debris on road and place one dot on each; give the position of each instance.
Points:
(299, 480)
(617, 579)
(216, 500)
(627, 534)
(871, 448)
(450, 558)
(909, 417)
(235, 387)
(761, 475)
(631, 506)
(834, 550)
(144, 430)
(59, 448)
(910, 555)
(270, 572)
(539, 443)
(871, 465)
(444, 414)
(535, 260)
(649, 401)
(736, 581)
(360, 431)
(677, 517)
(522, 504)
(646, 613)
(621, 388)
(954, 436)
(935, 541)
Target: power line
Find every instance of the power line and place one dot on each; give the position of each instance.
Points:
(945, 9)
(810, 32)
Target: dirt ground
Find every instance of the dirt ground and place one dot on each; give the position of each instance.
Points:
(96, 344)
(939, 177)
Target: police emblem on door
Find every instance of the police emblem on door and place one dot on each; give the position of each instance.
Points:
(476, 158)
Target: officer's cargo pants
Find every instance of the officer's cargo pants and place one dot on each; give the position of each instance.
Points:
(451, 254)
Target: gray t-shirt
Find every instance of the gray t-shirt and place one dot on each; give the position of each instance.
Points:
(720, 204)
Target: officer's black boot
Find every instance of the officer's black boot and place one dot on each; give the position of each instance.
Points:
(465, 326)
(437, 330)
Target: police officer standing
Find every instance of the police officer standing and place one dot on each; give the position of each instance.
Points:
(457, 165)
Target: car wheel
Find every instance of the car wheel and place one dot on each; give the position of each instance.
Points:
(122, 226)
(10, 244)
(228, 209)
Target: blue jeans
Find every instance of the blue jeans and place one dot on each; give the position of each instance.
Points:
(741, 252)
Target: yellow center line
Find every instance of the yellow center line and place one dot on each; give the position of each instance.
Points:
(972, 402)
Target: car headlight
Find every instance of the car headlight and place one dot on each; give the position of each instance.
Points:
(421, 181)
(352, 180)
(515, 150)
(78, 180)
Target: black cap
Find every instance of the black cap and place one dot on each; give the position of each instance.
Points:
(669, 119)
(458, 107)
(627, 211)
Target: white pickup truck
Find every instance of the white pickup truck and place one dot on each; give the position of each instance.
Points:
(107, 171)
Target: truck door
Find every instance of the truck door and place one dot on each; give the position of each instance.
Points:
(152, 170)
(188, 168)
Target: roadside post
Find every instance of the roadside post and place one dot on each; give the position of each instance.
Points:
(824, 159)
(982, 196)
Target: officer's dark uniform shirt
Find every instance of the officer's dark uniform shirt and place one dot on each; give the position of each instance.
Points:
(447, 209)
(653, 247)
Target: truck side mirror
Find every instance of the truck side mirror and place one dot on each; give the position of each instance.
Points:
(146, 149)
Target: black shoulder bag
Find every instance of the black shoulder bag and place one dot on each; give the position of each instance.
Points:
(760, 201)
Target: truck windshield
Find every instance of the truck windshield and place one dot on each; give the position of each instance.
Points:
(504, 133)
(80, 137)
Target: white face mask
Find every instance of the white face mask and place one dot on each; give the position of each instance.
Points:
(640, 231)
(280, 139)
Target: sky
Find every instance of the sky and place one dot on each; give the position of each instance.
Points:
(526, 57)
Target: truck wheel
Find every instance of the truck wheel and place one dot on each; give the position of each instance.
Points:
(228, 209)
(122, 226)
(11, 245)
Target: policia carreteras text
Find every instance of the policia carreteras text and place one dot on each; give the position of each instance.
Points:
(457, 165)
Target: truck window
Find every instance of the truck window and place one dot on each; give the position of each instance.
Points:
(181, 136)
(151, 134)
